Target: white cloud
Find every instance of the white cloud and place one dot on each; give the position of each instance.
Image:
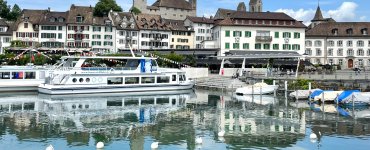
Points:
(346, 12)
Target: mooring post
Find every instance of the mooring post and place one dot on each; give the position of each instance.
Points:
(323, 101)
(286, 88)
(274, 83)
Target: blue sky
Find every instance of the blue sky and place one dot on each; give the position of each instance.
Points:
(341, 10)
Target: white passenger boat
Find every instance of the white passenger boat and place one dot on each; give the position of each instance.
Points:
(21, 78)
(256, 89)
(79, 75)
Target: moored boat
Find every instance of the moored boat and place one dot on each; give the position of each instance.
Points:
(256, 89)
(302, 94)
(82, 75)
(327, 96)
(354, 98)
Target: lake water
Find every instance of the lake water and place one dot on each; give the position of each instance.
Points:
(29, 121)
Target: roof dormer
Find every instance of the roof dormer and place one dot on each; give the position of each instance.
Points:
(334, 31)
(364, 31)
(79, 18)
(349, 31)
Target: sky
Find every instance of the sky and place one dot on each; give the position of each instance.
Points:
(302, 10)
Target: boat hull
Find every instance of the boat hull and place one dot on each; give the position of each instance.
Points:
(61, 90)
(249, 90)
(19, 85)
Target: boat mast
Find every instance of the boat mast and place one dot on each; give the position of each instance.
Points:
(132, 52)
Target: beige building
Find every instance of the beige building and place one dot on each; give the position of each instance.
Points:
(168, 9)
(27, 27)
(181, 36)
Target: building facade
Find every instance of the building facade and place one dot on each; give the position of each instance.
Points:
(103, 35)
(52, 30)
(168, 9)
(127, 33)
(79, 29)
(202, 28)
(154, 33)
(242, 30)
(181, 37)
(5, 35)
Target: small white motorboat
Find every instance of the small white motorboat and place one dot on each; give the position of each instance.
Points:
(354, 97)
(327, 96)
(257, 99)
(302, 94)
(256, 89)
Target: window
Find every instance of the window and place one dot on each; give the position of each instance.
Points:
(17, 75)
(96, 29)
(340, 52)
(60, 28)
(81, 80)
(331, 43)
(115, 80)
(331, 61)
(74, 80)
(334, 31)
(108, 29)
(286, 34)
(245, 45)
(350, 52)
(360, 62)
(266, 46)
(297, 35)
(340, 61)
(248, 34)
(330, 52)
(275, 46)
(131, 80)
(79, 19)
(360, 52)
(227, 45)
(6, 39)
(360, 43)
(182, 77)
(308, 52)
(174, 78)
(349, 31)
(340, 43)
(60, 35)
(227, 33)
(308, 43)
(147, 80)
(368, 52)
(276, 34)
(318, 52)
(287, 47)
(25, 25)
(163, 79)
(258, 46)
(349, 43)
(237, 34)
(236, 45)
(296, 47)
(48, 27)
(318, 61)
(318, 43)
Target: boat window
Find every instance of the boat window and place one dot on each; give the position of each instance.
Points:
(81, 80)
(115, 80)
(163, 100)
(30, 75)
(5, 75)
(80, 106)
(74, 106)
(132, 80)
(132, 63)
(17, 75)
(147, 80)
(174, 78)
(87, 80)
(163, 79)
(182, 78)
(74, 80)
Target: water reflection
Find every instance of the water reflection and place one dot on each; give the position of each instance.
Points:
(174, 119)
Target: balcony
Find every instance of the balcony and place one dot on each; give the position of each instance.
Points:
(263, 38)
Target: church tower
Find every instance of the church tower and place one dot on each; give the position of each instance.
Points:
(255, 6)
(141, 5)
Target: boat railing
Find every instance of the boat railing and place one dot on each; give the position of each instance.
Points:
(97, 69)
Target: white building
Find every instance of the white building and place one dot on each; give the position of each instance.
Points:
(346, 44)
(202, 27)
(127, 32)
(79, 21)
(5, 35)
(52, 30)
(154, 32)
(242, 30)
(103, 35)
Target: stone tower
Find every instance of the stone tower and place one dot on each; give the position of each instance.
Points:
(255, 6)
(241, 7)
(193, 3)
(141, 5)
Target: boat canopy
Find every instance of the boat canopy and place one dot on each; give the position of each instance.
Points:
(344, 95)
(104, 57)
(316, 93)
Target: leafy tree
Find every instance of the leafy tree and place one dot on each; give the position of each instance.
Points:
(4, 9)
(135, 10)
(103, 7)
(15, 13)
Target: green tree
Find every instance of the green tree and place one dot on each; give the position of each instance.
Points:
(15, 13)
(135, 10)
(103, 7)
(4, 9)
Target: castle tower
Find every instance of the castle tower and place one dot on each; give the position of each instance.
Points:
(241, 7)
(318, 18)
(255, 6)
(141, 5)
(193, 3)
